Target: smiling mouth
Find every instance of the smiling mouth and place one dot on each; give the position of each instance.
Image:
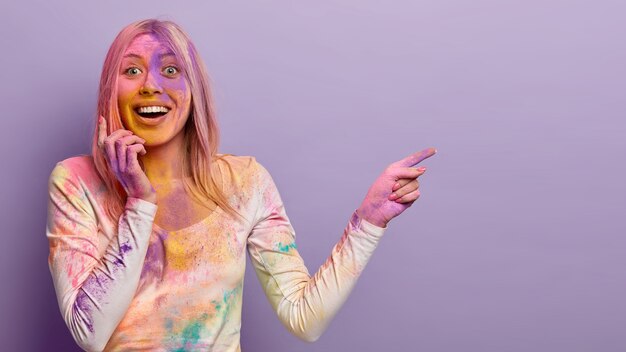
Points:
(151, 112)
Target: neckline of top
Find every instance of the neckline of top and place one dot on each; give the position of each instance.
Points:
(192, 226)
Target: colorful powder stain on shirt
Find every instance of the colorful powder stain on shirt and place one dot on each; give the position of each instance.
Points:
(182, 253)
(224, 306)
(190, 334)
(286, 248)
(186, 288)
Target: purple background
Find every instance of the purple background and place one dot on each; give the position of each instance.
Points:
(518, 241)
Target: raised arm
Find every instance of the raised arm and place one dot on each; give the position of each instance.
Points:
(95, 270)
(94, 283)
(306, 304)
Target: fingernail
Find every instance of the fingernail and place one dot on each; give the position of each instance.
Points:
(421, 169)
(396, 185)
(393, 196)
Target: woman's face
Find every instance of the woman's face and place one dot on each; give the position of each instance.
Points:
(152, 93)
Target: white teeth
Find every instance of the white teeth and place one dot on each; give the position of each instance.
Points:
(152, 109)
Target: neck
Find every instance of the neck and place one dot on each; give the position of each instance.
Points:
(163, 163)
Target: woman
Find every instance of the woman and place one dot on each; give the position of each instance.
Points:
(148, 235)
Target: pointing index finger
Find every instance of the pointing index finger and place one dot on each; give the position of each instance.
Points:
(418, 157)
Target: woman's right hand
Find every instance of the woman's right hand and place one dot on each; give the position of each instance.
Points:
(120, 150)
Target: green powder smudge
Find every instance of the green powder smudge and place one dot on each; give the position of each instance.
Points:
(286, 248)
(227, 301)
(191, 333)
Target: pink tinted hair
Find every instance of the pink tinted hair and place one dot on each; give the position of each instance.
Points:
(201, 130)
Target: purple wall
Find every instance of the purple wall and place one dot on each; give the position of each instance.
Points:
(518, 241)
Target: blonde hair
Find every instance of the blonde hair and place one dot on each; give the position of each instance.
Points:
(201, 130)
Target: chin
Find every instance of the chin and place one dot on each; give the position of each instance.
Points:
(153, 142)
(157, 139)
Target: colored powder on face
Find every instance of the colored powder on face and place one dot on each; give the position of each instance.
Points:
(286, 248)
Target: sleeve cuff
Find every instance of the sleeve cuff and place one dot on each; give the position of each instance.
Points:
(367, 227)
(141, 206)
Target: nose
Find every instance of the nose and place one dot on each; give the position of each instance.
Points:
(151, 84)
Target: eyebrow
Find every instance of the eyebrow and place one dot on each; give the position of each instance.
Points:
(137, 56)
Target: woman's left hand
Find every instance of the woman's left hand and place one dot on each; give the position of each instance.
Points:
(399, 179)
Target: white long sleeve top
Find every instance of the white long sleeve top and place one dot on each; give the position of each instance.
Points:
(126, 284)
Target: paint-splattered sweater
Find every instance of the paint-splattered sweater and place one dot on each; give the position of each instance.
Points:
(125, 284)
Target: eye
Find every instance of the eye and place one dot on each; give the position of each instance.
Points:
(171, 70)
(133, 71)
